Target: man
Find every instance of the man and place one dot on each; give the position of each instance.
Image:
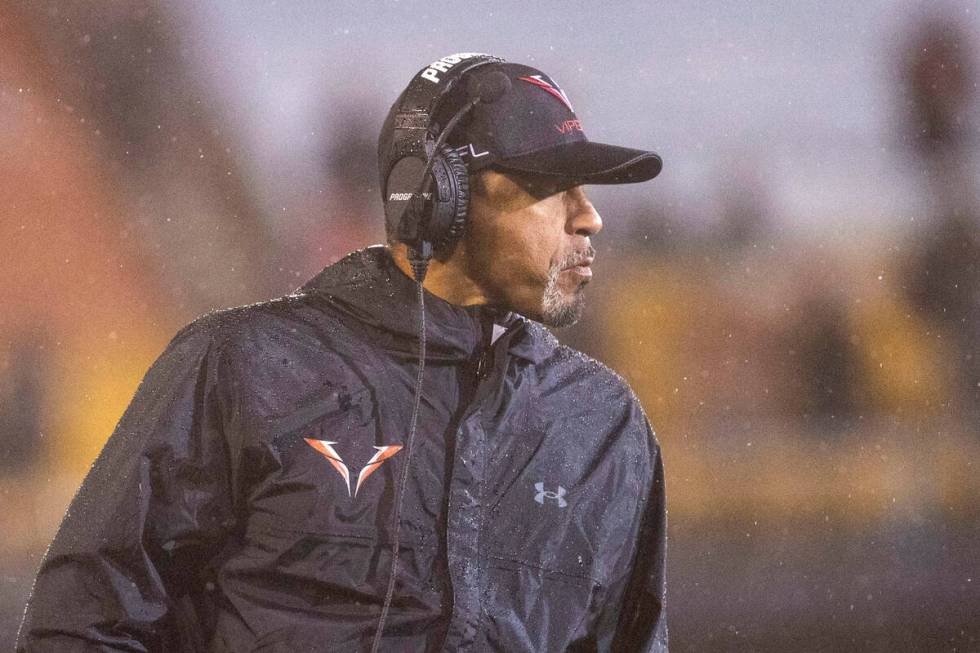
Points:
(290, 477)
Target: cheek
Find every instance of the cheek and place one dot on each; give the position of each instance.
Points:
(512, 251)
(533, 241)
(528, 255)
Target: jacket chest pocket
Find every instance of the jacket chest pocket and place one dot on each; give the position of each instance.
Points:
(311, 467)
(319, 514)
(544, 545)
(540, 508)
(526, 608)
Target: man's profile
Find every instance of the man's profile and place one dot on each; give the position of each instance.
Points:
(328, 472)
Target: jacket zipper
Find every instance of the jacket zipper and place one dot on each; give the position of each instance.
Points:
(484, 367)
(481, 365)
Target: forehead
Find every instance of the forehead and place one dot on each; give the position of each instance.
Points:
(510, 184)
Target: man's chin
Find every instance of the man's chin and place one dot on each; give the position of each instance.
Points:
(562, 311)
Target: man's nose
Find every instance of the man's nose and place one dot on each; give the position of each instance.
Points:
(583, 219)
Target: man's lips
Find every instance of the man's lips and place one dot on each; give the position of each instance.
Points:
(585, 261)
(582, 268)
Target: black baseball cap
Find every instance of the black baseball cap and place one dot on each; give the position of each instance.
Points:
(531, 127)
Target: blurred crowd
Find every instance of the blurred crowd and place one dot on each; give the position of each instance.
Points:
(817, 399)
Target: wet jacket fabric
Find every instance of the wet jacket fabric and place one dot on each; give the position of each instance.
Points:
(244, 502)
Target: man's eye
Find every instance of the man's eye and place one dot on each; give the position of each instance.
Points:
(540, 187)
(543, 189)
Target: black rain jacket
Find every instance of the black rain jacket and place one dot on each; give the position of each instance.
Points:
(244, 502)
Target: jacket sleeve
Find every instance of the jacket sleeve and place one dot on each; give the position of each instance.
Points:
(635, 619)
(156, 503)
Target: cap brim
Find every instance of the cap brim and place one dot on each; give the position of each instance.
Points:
(588, 163)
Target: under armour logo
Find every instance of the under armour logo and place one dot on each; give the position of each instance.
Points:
(325, 447)
(543, 494)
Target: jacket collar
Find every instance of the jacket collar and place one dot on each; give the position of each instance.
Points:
(367, 286)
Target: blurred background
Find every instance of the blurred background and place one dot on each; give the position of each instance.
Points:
(796, 299)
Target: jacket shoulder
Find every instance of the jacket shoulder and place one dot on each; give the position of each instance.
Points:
(585, 384)
(597, 378)
(601, 405)
(228, 326)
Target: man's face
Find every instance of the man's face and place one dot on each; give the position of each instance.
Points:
(528, 246)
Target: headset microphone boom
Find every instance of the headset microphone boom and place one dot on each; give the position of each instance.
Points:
(485, 90)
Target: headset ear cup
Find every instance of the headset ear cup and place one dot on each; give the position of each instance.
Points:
(460, 200)
(404, 209)
(450, 199)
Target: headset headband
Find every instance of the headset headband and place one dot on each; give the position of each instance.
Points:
(423, 95)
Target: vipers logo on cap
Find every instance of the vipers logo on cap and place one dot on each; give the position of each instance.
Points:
(550, 87)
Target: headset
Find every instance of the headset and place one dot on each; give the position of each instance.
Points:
(426, 188)
(426, 194)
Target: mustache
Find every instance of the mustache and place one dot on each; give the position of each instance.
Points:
(576, 257)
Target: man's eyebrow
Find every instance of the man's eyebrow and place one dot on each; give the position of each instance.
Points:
(541, 185)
